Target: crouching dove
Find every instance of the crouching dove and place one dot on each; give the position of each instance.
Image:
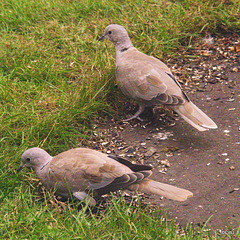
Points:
(150, 82)
(87, 174)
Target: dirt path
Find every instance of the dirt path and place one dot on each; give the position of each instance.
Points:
(207, 163)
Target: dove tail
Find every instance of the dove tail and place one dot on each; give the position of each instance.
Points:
(195, 117)
(161, 189)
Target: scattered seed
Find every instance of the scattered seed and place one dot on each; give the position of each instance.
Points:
(105, 143)
(163, 170)
(122, 155)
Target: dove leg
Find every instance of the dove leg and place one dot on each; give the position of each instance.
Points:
(82, 196)
(136, 115)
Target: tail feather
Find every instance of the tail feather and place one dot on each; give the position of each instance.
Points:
(195, 116)
(161, 189)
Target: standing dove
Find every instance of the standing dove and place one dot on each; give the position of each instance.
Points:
(150, 82)
(86, 174)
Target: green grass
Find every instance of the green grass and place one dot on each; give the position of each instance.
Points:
(56, 79)
(31, 217)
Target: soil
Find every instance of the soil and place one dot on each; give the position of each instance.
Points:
(206, 163)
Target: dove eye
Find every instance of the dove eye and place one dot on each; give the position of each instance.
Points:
(28, 159)
(110, 32)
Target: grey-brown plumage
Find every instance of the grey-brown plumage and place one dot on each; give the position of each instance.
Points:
(86, 174)
(150, 82)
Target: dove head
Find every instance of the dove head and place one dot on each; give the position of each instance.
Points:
(35, 158)
(118, 35)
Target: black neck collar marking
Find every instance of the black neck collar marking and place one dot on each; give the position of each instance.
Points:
(44, 165)
(124, 49)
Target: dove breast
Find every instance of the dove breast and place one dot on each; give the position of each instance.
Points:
(146, 79)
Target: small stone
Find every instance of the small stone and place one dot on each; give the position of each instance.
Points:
(163, 136)
(150, 152)
(121, 148)
(226, 131)
(165, 163)
(232, 168)
(234, 190)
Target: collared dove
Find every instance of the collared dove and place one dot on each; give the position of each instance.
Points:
(150, 82)
(85, 174)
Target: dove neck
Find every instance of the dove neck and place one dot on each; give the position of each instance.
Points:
(123, 45)
(40, 170)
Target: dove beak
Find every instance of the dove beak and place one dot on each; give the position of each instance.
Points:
(20, 168)
(101, 38)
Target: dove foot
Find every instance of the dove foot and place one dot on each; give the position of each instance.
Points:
(136, 115)
(82, 196)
